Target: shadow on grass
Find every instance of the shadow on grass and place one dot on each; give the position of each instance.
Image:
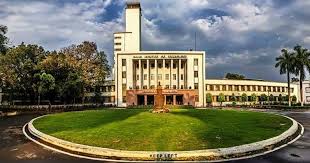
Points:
(80, 121)
(231, 128)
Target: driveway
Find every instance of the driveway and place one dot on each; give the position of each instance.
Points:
(15, 146)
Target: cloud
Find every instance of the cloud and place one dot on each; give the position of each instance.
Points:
(240, 36)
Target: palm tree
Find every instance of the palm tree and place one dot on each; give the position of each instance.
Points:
(302, 62)
(286, 61)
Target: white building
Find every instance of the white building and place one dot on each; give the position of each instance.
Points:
(181, 74)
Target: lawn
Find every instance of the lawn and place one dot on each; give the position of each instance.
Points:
(178, 130)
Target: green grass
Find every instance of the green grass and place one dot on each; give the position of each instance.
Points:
(179, 130)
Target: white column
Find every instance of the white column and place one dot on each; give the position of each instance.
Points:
(171, 66)
(148, 73)
(156, 74)
(164, 75)
(179, 74)
(140, 74)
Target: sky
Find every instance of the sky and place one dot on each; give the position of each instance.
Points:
(239, 36)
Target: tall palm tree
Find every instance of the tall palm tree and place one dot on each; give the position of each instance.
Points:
(286, 63)
(302, 62)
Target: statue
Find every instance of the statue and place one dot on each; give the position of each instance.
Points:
(159, 106)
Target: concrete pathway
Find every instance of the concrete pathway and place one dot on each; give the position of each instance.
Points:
(14, 146)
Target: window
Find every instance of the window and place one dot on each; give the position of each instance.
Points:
(224, 88)
(160, 77)
(160, 65)
(197, 98)
(196, 74)
(145, 77)
(230, 88)
(307, 89)
(174, 77)
(152, 65)
(217, 87)
(124, 99)
(138, 77)
(145, 65)
(174, 66)
(196, 86)
(195, 62)
(265, 89)
(144, 87)
(237, 88)
(211, 87)
(248, 88)
(118, 49)
(278, 89)
(167, 77)
(167, 65)
(124, 74)
(152, 87)
(137, 66)
(283, 89)
(242, 88)
(182, 77)
(182, 87)
(259, 88)
(182, 66)
(118, 43)
(174, 87)
(253, 88)
(117, 37)
(152, 77)
(137, 87)
(292, 90)
(167, 87)
(123, 62)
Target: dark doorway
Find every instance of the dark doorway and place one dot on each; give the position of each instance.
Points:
(179, 99)
(150, 100)
(140, 99)
(169, 100)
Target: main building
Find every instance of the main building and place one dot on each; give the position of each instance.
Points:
(181, 74)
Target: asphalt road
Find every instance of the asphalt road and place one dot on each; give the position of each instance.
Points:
(14, 146)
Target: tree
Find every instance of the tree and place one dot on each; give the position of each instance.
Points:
(3, 39)
(286, 63)
(45, 83)
(18, 67)
(295, 80)
(234, 76)
(302, 62)
(221, 98)
(209, 98)
(253, 97)
(244, 97)
(72, 88)
(263, 97)
(271, 98)
(91, 63)
(280, 98)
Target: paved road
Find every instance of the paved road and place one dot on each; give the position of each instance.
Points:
(14, 146)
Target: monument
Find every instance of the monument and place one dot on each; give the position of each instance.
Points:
(159, 106)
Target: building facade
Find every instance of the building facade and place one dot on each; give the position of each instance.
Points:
(181, 74)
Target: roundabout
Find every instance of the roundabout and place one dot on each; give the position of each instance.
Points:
(181, 135)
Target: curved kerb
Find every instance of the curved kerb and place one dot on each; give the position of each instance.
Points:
(212, 155)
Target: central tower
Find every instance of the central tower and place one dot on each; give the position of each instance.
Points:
(133, 26)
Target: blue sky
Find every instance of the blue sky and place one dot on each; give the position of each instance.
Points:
(240, 36)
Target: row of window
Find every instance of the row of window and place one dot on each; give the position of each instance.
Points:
(246, 88)
(167, 65)
(196, 86)
(102, 89)
(249, 98)
(159, 76)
